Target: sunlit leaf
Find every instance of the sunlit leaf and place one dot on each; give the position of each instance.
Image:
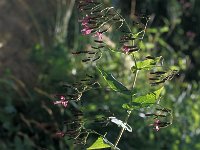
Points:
(146, 64)
(98, 144)
(113, 83)
(150, 98)
(143, 101)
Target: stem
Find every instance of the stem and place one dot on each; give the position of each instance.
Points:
(134, 80)
(135, 77)
(122, 129)
(129, 112)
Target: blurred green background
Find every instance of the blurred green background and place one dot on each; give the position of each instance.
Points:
(36, 42)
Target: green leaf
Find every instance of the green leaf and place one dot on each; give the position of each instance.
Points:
(147, 99)
(98, 144)
(127, 107)
(143, 101)
(146, 64)
(113, 83)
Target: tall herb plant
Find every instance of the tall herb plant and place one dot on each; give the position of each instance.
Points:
(98, 21)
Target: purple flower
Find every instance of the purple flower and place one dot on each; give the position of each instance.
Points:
(62, 101)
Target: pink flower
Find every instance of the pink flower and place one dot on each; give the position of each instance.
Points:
(86, 31)
(99, 35)
(126, 49)
(85, 20)
(129, 49)
(156, 125)
(62, 101)
(62, 97)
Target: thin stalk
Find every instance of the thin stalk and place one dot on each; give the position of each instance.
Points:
(134, 81)
(129, 112)
(122, 129)
(135, 78)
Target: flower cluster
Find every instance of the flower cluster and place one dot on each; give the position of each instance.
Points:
(88, 24)
(97, 19)
(84, 22)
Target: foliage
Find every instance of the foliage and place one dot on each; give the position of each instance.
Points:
(97, 20)
(28, 120)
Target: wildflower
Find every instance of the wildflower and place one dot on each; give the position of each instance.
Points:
(129, 49)
(85, 20)
(62, 101)
(126, 49)
(86, 30)
(156, 125)
(99, 35)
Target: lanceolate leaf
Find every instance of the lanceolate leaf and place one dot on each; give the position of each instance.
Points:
(98, 144)
(146, 64)
(113, 83)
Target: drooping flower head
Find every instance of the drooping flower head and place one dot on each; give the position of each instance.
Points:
(156, 124)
